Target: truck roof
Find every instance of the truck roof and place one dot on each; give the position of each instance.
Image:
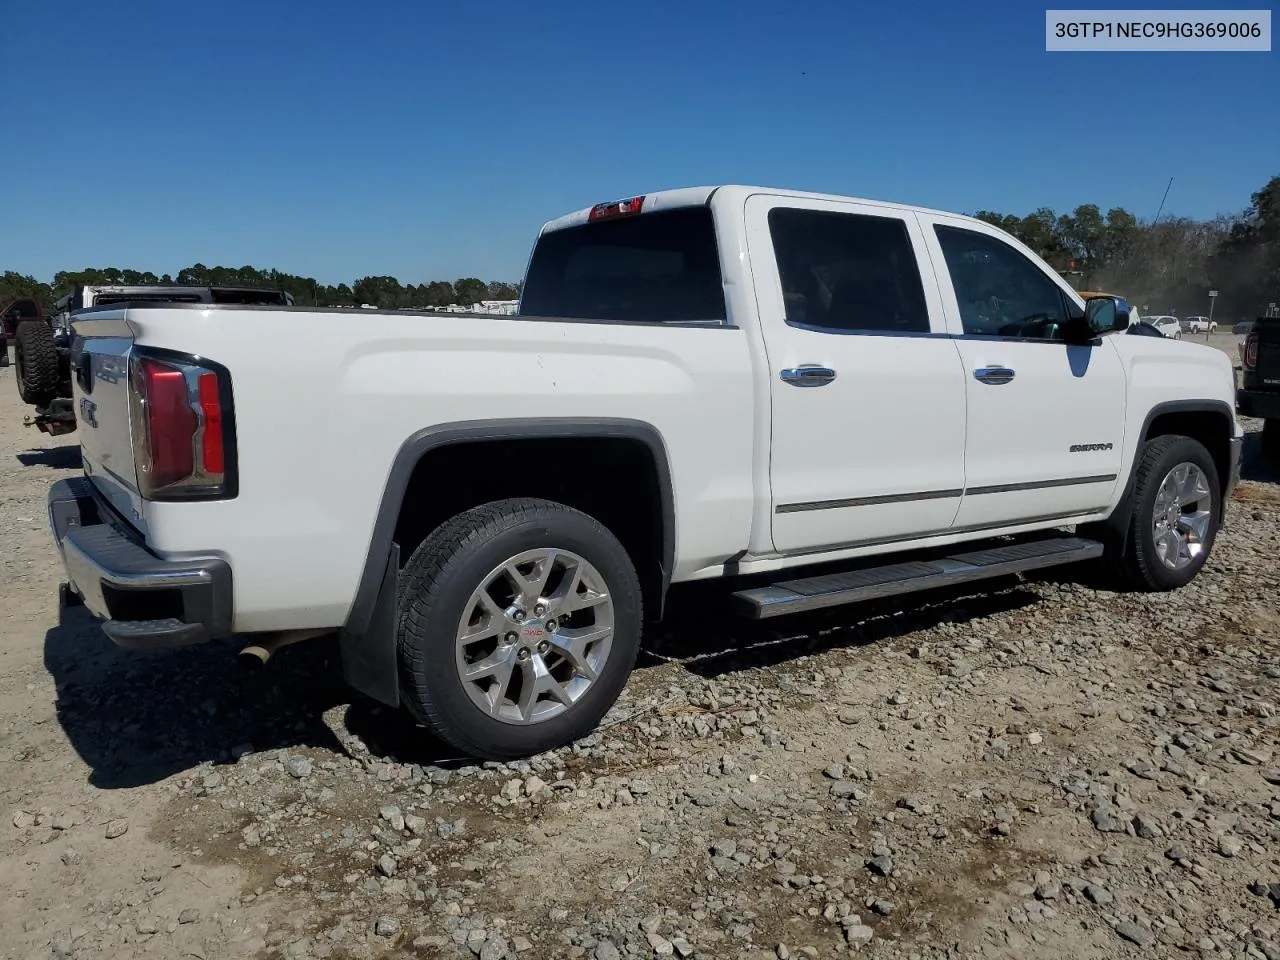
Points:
(698, 196)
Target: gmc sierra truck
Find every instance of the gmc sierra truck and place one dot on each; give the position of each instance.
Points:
(812, 399)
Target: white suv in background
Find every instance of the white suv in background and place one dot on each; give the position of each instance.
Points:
(1168, 326)
(1200, 325)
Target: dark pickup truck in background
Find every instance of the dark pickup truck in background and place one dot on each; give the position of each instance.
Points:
(1259, 392)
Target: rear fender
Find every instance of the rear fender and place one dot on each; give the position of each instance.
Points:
(367, 640)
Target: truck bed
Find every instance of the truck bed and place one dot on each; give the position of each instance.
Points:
(324, 399)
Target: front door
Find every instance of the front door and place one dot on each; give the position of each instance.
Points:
(866, 387)
(1045, 419)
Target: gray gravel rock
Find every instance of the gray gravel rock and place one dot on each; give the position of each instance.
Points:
(297, 767)
(393, 816)
(1135, 934)
(1107, 820)
(881, 865)
(1147, 827)
(1098, 895)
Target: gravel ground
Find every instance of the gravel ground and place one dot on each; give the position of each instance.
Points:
(1038, 769)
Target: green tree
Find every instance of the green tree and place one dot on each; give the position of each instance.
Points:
(1245, 267)
(469, 290)
(499, 290)
(16, 286)
(384, 292)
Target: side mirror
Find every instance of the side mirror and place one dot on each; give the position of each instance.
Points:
(1106, 314)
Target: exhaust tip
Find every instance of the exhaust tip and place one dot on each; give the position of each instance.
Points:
(254, 657)
(257, 654)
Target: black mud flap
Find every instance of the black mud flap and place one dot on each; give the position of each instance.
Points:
(368, 641)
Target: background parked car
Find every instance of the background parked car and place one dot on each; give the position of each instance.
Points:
(1168, 326)
(1199, 325)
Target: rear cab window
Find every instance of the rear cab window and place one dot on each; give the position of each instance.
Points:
(660, 267)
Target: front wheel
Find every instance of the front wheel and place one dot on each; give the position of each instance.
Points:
(1177, 508)
(519, 622)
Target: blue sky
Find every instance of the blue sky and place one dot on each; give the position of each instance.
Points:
(430, 140)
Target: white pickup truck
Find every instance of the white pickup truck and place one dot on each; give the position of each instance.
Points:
(812, 399)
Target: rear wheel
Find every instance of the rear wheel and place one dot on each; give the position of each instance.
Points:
(519, 623)
(1177, 508)
(36, 360)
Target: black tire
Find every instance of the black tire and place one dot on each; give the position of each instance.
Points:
(1137, 564)
(1271, 442)
(36, 359)
(435, 588)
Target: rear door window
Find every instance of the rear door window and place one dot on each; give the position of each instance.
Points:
(847, 272)
(659, 267)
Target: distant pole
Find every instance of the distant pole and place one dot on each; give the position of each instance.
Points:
(1162, 200)
(1213, 298)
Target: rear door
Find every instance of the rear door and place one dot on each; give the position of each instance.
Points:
(1045, 419)
(866, 388)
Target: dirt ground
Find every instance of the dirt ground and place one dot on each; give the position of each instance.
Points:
(1041, 768)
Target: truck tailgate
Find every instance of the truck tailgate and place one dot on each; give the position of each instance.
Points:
(100, 384)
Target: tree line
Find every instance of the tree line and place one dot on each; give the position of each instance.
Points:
(1167, 266)
(385, 292)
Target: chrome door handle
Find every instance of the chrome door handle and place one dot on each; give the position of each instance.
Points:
(995, 375)
(808, 376)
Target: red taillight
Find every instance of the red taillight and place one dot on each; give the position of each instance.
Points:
(211, 407)
(1250, 358)
(179, 429)
(618, 208)
(171, 423)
